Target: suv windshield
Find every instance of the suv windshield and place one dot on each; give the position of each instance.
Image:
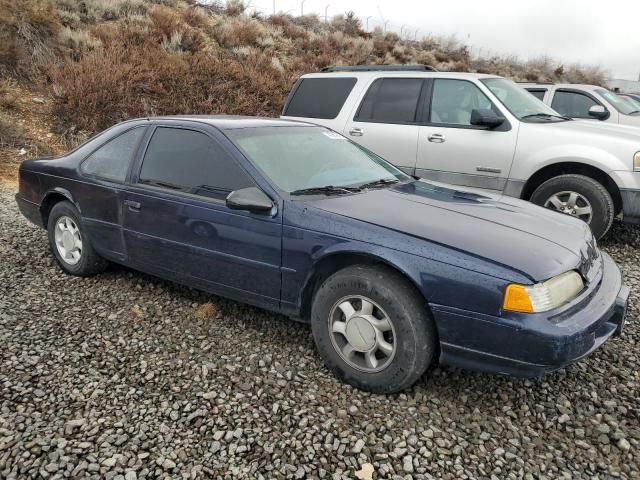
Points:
(521, 103)
(619, 103)
(313, 160)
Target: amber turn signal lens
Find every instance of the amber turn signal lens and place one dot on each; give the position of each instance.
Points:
(516, 299)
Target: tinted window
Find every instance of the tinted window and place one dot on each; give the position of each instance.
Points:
(391, 100)
(191, 162)
(112, 160)
(319, 97)
(539, 94)
(453, 101)
(572, 104)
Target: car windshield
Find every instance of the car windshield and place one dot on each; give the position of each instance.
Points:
(302, 160)
(521, 103)
(620, 104)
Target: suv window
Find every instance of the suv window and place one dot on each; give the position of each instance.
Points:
(191, 162)
(319, 97)
(453, 100)
(572, 104)
(538, 93)
(111, 161)
(391, 100)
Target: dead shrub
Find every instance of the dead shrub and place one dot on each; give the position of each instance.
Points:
(11, 133)
(27, 29)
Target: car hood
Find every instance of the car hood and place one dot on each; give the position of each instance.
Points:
(598, 128)
(532, 240)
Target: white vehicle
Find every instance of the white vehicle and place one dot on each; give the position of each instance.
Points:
(587, 102)
(479, 131)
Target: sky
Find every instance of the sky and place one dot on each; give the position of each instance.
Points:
(588, 32)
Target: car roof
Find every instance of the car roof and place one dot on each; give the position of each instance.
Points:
(230, 122)
(582, 86)
(400, 74)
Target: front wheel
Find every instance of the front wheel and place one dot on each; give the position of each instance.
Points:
(579, 196)
(373, 329)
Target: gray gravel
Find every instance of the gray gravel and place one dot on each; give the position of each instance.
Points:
(124, 376)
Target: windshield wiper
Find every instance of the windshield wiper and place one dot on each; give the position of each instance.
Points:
(327, 190)
(545, 115)
(380, 183)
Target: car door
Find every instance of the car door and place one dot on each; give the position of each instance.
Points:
(452, 150)
(576, 104)
(177, 223)
(386, 120)
(105, 171)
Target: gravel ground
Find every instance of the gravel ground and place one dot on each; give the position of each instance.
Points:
(125, 376)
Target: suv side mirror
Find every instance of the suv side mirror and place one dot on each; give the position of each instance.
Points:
(485, 117)
(252, 199)
(599, 112)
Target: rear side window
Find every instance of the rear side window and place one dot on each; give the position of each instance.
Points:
(319, 97)
(111, 161)
(391, 100)
(572, 104)
(539, 94)
(191, 162)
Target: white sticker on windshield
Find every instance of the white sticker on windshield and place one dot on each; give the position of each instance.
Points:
(334, 135)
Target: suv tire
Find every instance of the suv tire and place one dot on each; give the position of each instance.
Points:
(589, 194)
(383, 324)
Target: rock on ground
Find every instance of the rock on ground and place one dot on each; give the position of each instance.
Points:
(92, 387)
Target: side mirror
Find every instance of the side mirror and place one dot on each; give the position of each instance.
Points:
(251, 199)
(599, 112)
(485, 117)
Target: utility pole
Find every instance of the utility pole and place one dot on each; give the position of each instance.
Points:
(325, 13)
(401, 28)
(386, 22)
(415, 35)
(366, 29)
(302, 8)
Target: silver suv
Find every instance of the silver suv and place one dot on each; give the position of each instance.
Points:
(587, 102)
(479, 131)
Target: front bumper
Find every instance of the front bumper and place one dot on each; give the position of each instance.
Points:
(534, 344)
(630, 206)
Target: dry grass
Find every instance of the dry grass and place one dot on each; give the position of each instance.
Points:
(102, 61)
(206, 311)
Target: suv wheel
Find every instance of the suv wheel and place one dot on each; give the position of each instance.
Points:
(373, 329)
(70, 244)
(578, 196)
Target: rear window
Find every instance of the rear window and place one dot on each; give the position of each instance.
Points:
(319, 97)
(539, 94)
(391, 100)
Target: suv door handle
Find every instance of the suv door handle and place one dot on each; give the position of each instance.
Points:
(132, 205)
(356, 132)
(437, 138)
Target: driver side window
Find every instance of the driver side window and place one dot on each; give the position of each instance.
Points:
(453, 101)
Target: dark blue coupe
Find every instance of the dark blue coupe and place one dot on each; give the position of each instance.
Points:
(391, 272)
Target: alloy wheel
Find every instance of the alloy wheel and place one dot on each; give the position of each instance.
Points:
(571, 203)
(362, 333)
(68, 240)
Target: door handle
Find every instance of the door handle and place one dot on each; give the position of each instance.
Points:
(134, 206)
(437, 138)
(356, 132)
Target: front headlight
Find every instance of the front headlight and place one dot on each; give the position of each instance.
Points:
(636, 162)
(543, 296)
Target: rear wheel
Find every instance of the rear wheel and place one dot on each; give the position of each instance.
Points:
(70, 244)
(578, 196)
(373, 329)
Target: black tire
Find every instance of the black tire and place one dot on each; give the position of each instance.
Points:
(89, 263)
(597, 195)
(414, 332)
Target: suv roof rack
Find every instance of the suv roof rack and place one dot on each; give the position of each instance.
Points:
(376, 68)
(548, 82)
